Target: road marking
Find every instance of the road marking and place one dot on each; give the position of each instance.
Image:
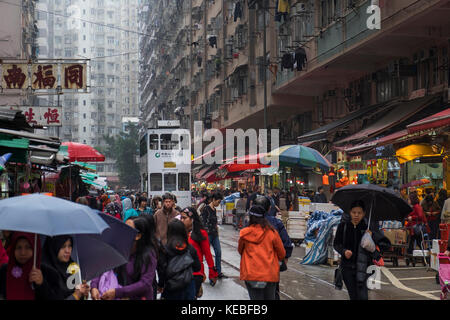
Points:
(433, 291)
(401, 286)
(418, 278)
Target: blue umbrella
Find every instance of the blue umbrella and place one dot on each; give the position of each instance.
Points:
(100, 253)
(49, 216)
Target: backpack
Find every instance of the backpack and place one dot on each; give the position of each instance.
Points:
(179, 271)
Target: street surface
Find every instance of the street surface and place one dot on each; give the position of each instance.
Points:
(301, 282)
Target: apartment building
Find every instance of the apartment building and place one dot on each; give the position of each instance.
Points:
(18, 41)
(106, 33)
(204, 60)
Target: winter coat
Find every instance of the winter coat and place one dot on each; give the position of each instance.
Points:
(361, 259)
(261, 251)
(167, 254)
(162, 220)
(203, 249)
(279, 226)
(417, 216)
(209, 219)
(320, 198)
(139, 290)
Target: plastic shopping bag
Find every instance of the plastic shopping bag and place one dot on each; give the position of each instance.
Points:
(367, 242)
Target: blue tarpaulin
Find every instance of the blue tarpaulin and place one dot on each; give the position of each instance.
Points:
(324, 223)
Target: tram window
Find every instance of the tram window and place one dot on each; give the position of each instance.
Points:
(170, 182)
(156, 181)
(185, 143)
(183, 182)
(153, 142)
(169, 142)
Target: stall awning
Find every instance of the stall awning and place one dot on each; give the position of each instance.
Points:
(394, 117)
(14, 143)
(438, 120)
(321, 133)
(375, 143)
(415, 151)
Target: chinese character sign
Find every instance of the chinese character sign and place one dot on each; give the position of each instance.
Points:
(44, 76)
(43, 116)
(74, 76)
(15, 76)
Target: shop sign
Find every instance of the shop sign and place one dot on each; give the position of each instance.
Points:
(43, 76)
(43, 116)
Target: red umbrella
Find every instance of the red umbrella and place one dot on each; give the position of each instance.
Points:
(82, 152)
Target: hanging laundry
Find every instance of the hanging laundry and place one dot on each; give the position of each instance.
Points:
(237, 11)
(282, 10)
(300, 58)
(213, 41)
(287, 61)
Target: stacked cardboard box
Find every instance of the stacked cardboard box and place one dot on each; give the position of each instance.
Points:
(396, 236)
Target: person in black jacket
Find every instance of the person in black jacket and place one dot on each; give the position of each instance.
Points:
(209, 219)
(320, 196)
(180, 255)
(266, 203)
(354, 259)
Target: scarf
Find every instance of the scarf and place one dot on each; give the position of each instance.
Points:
(18, 286)
(50, 259)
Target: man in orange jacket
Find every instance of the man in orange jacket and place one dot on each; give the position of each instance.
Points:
(261, 251)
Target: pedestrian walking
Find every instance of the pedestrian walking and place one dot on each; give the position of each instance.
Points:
(198, 238)
(156, 203)
(261, 251)
(143, 208)
(252, 197)
(240, 211)
(432, 213)
(134, 280)
(180, 262)
(355, 259)
(209, 219)
(56, 256)
(273, 208)
(20, 279)
(164, 216)
(416, 222)
(282, 232)
(320, 196)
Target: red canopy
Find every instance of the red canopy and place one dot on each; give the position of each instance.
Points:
(82, 152)
(248, 162)
(437, 120)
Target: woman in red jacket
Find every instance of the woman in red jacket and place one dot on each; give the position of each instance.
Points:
(415, 217)
(198, 238)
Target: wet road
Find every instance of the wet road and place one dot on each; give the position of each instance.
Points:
(301, 282)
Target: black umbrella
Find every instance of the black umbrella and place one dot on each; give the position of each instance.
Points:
(381, 203)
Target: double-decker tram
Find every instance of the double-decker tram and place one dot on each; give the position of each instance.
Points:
(166, 161)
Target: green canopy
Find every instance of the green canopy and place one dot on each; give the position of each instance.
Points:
(84, 165)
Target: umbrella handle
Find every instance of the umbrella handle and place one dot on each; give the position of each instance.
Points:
(371, 207)
(78, 260)
(35, 250)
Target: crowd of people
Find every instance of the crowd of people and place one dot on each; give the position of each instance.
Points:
(171, 244)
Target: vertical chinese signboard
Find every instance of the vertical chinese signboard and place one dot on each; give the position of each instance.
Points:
(14, 76)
